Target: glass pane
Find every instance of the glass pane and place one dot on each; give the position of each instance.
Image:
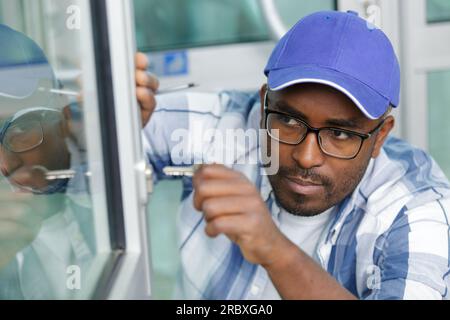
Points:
(52, 245)
(162, 213)
(291, 13)
(169, 24)
(179, 23)
(438, 11)
(439, 118)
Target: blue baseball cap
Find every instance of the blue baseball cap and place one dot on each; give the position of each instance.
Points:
(26, 77)
(23, 65)
(341, 50)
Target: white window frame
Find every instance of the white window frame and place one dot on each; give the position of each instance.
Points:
(133, 274)
(425, 50)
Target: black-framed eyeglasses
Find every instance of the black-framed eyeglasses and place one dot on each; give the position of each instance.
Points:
(335, 142)
(25, 133)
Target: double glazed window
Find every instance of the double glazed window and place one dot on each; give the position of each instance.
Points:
(55, 238)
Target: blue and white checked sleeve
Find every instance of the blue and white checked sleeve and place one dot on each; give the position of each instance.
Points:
(174, 133)
(183, 128)
(414, 257)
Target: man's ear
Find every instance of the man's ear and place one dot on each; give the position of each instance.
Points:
(262, 93)
(382, 135)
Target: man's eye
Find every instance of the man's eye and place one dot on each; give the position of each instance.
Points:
(288, 121)
(340, 135)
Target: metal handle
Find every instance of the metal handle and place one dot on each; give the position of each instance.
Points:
(272, 16)
(70, 174)
(60, 174)
(149, 179)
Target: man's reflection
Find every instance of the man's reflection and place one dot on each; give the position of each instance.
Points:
(35, 140)
(45, 226)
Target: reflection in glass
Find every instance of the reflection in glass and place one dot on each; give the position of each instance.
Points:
(439, 118)
(48, 239)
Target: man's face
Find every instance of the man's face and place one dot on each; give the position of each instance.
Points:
(309, 182)
(51, 154)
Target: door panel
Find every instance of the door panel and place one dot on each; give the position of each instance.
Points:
(54, 225)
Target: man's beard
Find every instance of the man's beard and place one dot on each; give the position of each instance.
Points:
(333, 193)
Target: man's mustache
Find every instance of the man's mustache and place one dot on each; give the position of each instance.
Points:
(305, 174)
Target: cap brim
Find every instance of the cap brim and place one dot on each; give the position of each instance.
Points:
(371, 103)
(22, 81)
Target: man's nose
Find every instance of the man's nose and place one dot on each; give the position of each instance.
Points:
(308, 153)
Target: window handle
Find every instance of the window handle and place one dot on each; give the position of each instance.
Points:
(61, 174)
(70, 174)
(149, 179)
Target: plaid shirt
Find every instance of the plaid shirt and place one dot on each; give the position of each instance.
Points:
(389, 239)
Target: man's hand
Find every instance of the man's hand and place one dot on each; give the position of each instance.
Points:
(19, 224)
(22, 213)
(233, 206)
(146, 86)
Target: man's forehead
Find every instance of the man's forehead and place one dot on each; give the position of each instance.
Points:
(309, 101)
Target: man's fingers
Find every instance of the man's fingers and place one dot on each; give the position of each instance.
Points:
(31, 177)
(15, 197)
(141, 61)
(147, 104)
(23, 213)
(218, 181)
(11, 231)
(215, 171)
(146, 86)
(142, 78)
(231, 226)
(214, 208)
(145, 79)
(146, 99)
(205, 189)
(15, 212)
